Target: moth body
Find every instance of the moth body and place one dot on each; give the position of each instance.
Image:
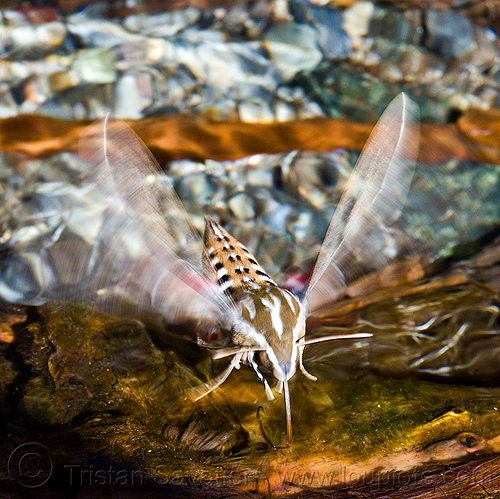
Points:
(268, 317)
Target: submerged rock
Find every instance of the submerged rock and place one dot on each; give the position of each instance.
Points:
(292, 47)
(448, 33)
(332, 39)
(125, 399)
(84, 362)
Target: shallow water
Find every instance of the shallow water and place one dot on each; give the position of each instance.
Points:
(100, 405)
(101, 381)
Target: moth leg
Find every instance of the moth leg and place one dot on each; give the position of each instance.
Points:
(218, 380)
(251, 361)
(279, 386)
(302, 368)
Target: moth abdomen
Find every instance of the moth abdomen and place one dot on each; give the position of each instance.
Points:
(234, 265)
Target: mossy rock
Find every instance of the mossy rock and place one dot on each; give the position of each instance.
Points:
(104, 384)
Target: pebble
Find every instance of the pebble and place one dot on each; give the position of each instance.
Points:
(95, 65)
(98, 33)
(254, 103)
(357, 21)
(276, 220)
(396, 26)
(448, 34)
(133, 94)
(279, 204)
(284, 112)
(238, 62)
(164, 25)
(41, 39)
(241, 207)
(293, 47)
(332, 39)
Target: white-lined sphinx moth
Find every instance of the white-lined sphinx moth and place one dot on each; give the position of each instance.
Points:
(160, 263)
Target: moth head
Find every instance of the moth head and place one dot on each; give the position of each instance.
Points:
(274, 320)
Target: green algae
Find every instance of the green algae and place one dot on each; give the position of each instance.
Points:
(359, 417)
(102, 382)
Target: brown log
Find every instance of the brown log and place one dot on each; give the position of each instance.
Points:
(476, 137)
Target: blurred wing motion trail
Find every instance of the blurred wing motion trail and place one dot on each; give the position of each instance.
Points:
(139, 255)
(374, 198)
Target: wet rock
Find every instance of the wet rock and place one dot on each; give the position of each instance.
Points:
(396, 26)
(274, 253)
(133, 94)
(39, 40)
(357, 21)
(292, 47)
(94, 32)
(275, 220)
(486, 42)
(84, 361)
(66, 385)
(191, 60)
(95, 65)
(332, 39)
(257, 173)
(6, 334)
(165, 25)
(255, 112)
(197, 188)
(406, 63)
(254, 103)
(8, 106)
(123, 393)
(63, 80)
(284, 111)
(241, 207)
(7, 370)
(313, 177)
(239, 20)
(448, 34)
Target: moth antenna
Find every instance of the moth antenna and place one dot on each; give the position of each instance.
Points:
(288, 412)
(221, 353)
(357, 336)
(303, 370)
(251, 361)
(218, 380)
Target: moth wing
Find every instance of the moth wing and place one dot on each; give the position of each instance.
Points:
(147, 250)
(374, 197)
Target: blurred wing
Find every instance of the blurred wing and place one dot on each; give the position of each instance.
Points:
(374, 198)
(146, 248)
